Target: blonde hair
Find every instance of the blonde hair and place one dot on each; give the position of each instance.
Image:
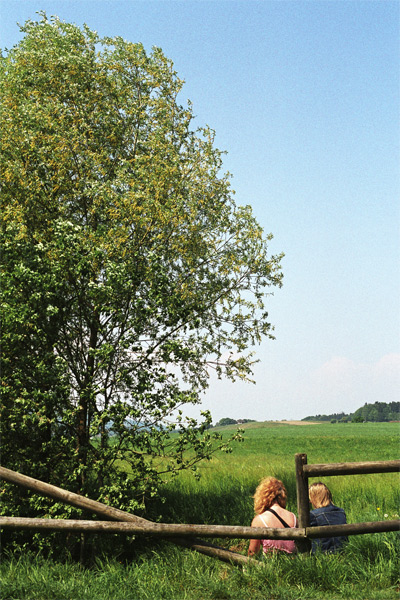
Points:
(269, 491)
(319, 494)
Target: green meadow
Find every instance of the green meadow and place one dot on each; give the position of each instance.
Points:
(138, 569)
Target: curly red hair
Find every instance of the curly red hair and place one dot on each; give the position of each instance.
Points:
(269, 491)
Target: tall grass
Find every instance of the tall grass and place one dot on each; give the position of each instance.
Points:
(368, 569)
(224, 492)
(365, 571)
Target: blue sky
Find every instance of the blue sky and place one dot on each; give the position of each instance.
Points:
(304, 97)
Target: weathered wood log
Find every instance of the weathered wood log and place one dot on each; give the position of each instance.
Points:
(353, 529)
(61, 495)
(46, 489)
(153, 529)
(356, 468)
(167, 530)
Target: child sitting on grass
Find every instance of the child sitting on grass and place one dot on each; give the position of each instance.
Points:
(325, 513)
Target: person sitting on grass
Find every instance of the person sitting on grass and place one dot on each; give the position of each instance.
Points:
(270, 509)
(325, 513)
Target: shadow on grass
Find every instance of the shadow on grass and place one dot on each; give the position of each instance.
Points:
(229, 502)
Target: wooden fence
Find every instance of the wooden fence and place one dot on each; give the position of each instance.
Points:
(304, 471)
(184, 535)
(114, 514)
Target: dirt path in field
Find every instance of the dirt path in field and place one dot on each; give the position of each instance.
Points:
(262, 424)
(299, 422)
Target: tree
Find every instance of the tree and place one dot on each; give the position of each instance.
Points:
(128, 270)
(357, 419)
(225, 421)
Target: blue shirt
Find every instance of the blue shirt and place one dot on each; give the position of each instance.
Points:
(328, 515)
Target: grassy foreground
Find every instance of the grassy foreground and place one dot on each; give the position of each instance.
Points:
(367, 570)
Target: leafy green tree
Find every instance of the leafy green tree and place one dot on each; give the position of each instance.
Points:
(379, 411)
(357, 419)
(128, 270)
(225, 421)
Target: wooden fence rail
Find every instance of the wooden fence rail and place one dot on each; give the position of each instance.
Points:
(167, 529)
(356, 468)
(153, 529)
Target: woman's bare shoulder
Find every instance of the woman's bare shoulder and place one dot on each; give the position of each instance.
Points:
(260, 522)
(257, 522)
(290, 518)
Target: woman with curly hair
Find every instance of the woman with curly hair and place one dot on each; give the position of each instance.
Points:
(270, 508)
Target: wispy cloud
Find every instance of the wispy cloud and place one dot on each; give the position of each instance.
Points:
(341, 384)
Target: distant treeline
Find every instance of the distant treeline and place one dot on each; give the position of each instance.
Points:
(377, 412)
(228, 421)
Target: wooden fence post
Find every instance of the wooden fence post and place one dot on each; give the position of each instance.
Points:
(303, 510)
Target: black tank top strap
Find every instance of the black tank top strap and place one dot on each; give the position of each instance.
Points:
(278, 517)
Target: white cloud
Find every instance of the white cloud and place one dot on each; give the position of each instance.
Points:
(388, 366)
(342, 384)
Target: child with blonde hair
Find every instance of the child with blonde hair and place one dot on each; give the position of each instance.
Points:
(325, 513)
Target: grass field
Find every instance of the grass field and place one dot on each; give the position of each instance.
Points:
(368, 569)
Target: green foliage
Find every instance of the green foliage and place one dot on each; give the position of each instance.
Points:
(225, 421)
(336, 416)
(379, 412)
(357, 419)
(228, 421)
(128, 270)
